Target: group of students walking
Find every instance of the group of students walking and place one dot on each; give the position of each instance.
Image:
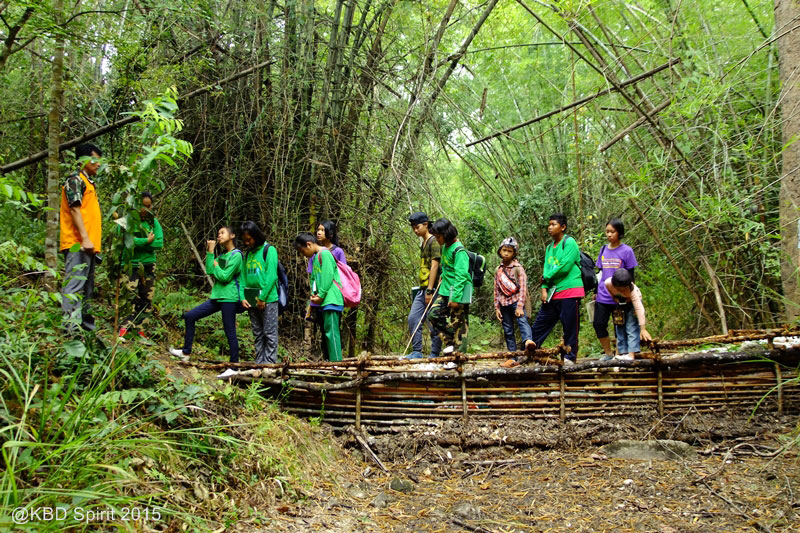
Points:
(562, 289)
(250, 280)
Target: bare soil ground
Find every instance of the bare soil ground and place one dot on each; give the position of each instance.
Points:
(735, 484)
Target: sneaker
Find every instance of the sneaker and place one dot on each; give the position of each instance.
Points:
(433, 355)
(449, 349)
(228, 374)
(178, 352)
(624, 357)
(414, 355)
(123, 332)
(510, 363)
(530, 346)
(142, 335)
(450, 365)
(606, 358)
(568, 362)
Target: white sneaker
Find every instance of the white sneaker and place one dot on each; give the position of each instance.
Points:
(178, 352)
(450, 365)
(448, 350)
(624, 357)
(228, 374)
(568, 362)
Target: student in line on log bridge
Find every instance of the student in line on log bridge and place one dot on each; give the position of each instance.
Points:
(325, 292)
(327, 237)
(430, 257)
(562, 290)
(450, 312)
(261, 291)
(226, 297)
(629, 321)
(511, 294)
(612, 256)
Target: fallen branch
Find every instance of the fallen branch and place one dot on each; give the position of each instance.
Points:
(580, 102)
(367, 449)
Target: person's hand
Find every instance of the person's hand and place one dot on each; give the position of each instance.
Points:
(246, 304)
(261, 305)
(594, 296)
(544, 295)
(453, 305)
(211, 245)
(87, 246)
(519, 312)
(645, 335)
(151, 237)
(316, 300)
(498, 314)
(428, 298)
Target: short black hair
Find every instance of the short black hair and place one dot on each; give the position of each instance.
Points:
(622, 278)
(252, 229)
(560, 218)
(86, 149)
(302, 240)
(330, 231)
(147, 194)
(618, 226)
(446, 229)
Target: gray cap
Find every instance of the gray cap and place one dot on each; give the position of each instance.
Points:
(510, 242)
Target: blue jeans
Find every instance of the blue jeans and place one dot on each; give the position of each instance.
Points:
(629, 334)
(507, 311)
(208, 308)
(414, 317)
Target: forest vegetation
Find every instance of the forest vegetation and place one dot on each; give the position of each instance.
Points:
(677, 117)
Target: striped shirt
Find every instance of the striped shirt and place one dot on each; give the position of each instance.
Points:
(516, 272)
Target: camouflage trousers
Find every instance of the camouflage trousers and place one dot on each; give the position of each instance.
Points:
(139, 286)
(452, 325)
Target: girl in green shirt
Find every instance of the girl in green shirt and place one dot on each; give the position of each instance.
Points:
(261, 291)
(450, 312)
(226, 296)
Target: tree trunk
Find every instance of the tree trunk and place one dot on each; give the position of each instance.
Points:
(786, 12)
(53, 141)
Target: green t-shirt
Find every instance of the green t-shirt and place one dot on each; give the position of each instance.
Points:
(226, 274)
(428, 252)
(262, 275)
(456, 282)
(561, 269)
(323, 274)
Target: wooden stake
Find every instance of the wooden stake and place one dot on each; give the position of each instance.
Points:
(196, 255)
(464, 404)
(660, 393)
(779, 380)
(358, 408)
(562, 407)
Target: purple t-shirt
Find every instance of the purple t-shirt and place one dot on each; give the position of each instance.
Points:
(608, 261)
(338, 254)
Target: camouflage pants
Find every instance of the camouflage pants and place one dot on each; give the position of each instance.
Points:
(451, 324)
(139, 284)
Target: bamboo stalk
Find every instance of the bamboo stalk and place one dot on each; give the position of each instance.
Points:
(196, 255)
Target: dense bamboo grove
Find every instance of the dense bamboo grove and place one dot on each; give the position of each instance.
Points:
(363, 110)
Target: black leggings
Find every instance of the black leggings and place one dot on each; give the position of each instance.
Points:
(602, 312)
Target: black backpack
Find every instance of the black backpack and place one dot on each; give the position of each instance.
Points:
(283, 282)
(588, 270)
(477, 267)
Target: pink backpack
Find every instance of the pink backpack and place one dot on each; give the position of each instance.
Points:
(351, 285)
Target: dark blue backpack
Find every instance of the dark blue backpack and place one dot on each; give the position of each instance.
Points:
(283, 282)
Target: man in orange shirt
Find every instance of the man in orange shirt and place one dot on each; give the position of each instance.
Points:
(81, 233)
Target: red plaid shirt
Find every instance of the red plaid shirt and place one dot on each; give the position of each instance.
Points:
(516, 272)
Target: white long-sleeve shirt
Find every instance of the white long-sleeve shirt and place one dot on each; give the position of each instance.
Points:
(635, 299)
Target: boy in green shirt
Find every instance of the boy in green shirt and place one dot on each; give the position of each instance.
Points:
(139, 277)
(325, 292)
(562, 290)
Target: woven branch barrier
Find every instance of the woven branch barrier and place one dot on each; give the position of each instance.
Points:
(388, 391)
